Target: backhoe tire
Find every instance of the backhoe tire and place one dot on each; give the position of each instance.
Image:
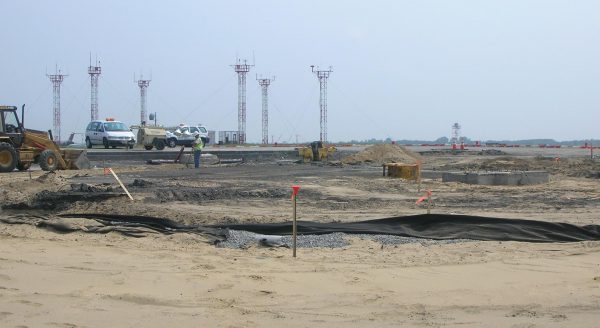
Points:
(48, 160)
(88, 142)
(23, 166)
(8, 157)
(148, 147)
(159, 144)
(172, 143)
(105, 143)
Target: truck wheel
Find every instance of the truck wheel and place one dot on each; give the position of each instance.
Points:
(23, 166)
(159, 144)
(172, 143)
(8, 157)
(88, 143)
(48, 160)
(105, 143)
(148, 147)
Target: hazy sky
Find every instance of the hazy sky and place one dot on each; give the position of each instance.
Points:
(402, 69)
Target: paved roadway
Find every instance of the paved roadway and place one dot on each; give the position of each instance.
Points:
(288, 152)
(247, 153)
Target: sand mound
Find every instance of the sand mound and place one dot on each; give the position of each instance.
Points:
(384, 153)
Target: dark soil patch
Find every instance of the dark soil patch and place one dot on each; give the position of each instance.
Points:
(187, 194)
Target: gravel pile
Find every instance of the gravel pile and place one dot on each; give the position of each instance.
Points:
(245, 239)
(331, 240)
(399, 240)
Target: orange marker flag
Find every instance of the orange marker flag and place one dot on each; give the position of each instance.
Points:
(295, 190)
(426, 196)
(106, 170)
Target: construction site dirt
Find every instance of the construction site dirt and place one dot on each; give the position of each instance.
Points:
(183, 280)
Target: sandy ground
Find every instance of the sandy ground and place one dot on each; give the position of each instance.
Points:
(90, 280)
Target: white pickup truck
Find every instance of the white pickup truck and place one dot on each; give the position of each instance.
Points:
(184, 135)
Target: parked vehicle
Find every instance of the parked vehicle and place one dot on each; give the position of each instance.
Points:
(109, 133)
(184, 135)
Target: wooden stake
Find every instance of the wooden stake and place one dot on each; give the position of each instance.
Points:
(295, 190)
(121, 183)
(429, 205)
(294, 228)
(178, 158)
(419, 176)
(187, 163)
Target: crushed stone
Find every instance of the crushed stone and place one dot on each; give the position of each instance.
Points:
(243, 239)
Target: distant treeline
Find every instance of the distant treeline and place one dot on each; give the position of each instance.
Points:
(445, 140)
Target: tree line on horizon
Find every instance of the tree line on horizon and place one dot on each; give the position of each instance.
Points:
(466, 140)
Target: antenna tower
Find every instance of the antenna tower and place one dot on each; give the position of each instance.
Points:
(94, 72)
(264, 84)
(455, 137)
(143, 84)
(241, 70)
(323, 76)
(56, 80)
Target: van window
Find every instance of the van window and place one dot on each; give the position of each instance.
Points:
(202, 129)
(115, 126)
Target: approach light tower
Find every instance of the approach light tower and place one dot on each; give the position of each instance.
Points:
(455, 137)
(94, 72)
(56, 79)
(241, 70)
(264, 84)
(323, 76)
(143, 84)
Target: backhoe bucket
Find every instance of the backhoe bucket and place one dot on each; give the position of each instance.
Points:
(75, 159)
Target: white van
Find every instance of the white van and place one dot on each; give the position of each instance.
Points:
(109, 133)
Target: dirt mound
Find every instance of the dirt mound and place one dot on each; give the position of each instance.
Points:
(384, 153)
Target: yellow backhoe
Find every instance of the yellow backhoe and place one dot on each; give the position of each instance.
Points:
(20, 147)
(315, 152)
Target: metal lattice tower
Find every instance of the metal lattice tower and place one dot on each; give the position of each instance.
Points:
(94, 72)
(455, 137)
(143, 84)
(56, 80)
(323, 76)
(241, 70)
(264, 84)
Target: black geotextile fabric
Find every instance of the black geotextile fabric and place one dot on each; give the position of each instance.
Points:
(430, 226)
(440, 226)
(128, 225)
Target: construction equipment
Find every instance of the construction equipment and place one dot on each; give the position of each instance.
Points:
(315, 152)
(20, 147)
(151, 136)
